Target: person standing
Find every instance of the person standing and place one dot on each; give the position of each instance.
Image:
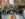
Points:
(6, 11)
(0, 13)
(24, 12)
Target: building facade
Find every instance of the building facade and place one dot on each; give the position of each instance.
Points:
(3, 1)
(2, 4)
(16, 3)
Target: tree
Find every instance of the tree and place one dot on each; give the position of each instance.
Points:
(5, 7)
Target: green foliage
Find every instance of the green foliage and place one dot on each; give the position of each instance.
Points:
(15, 10)
(9, 4)
(5, 7)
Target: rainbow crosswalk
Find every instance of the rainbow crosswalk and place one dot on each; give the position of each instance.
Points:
(9, 17)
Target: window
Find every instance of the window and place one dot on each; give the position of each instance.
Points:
(0, 3)
(0, 6)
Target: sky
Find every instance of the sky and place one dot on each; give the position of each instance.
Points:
(11, 1)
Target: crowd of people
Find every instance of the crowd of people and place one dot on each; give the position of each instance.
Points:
(18, 11)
